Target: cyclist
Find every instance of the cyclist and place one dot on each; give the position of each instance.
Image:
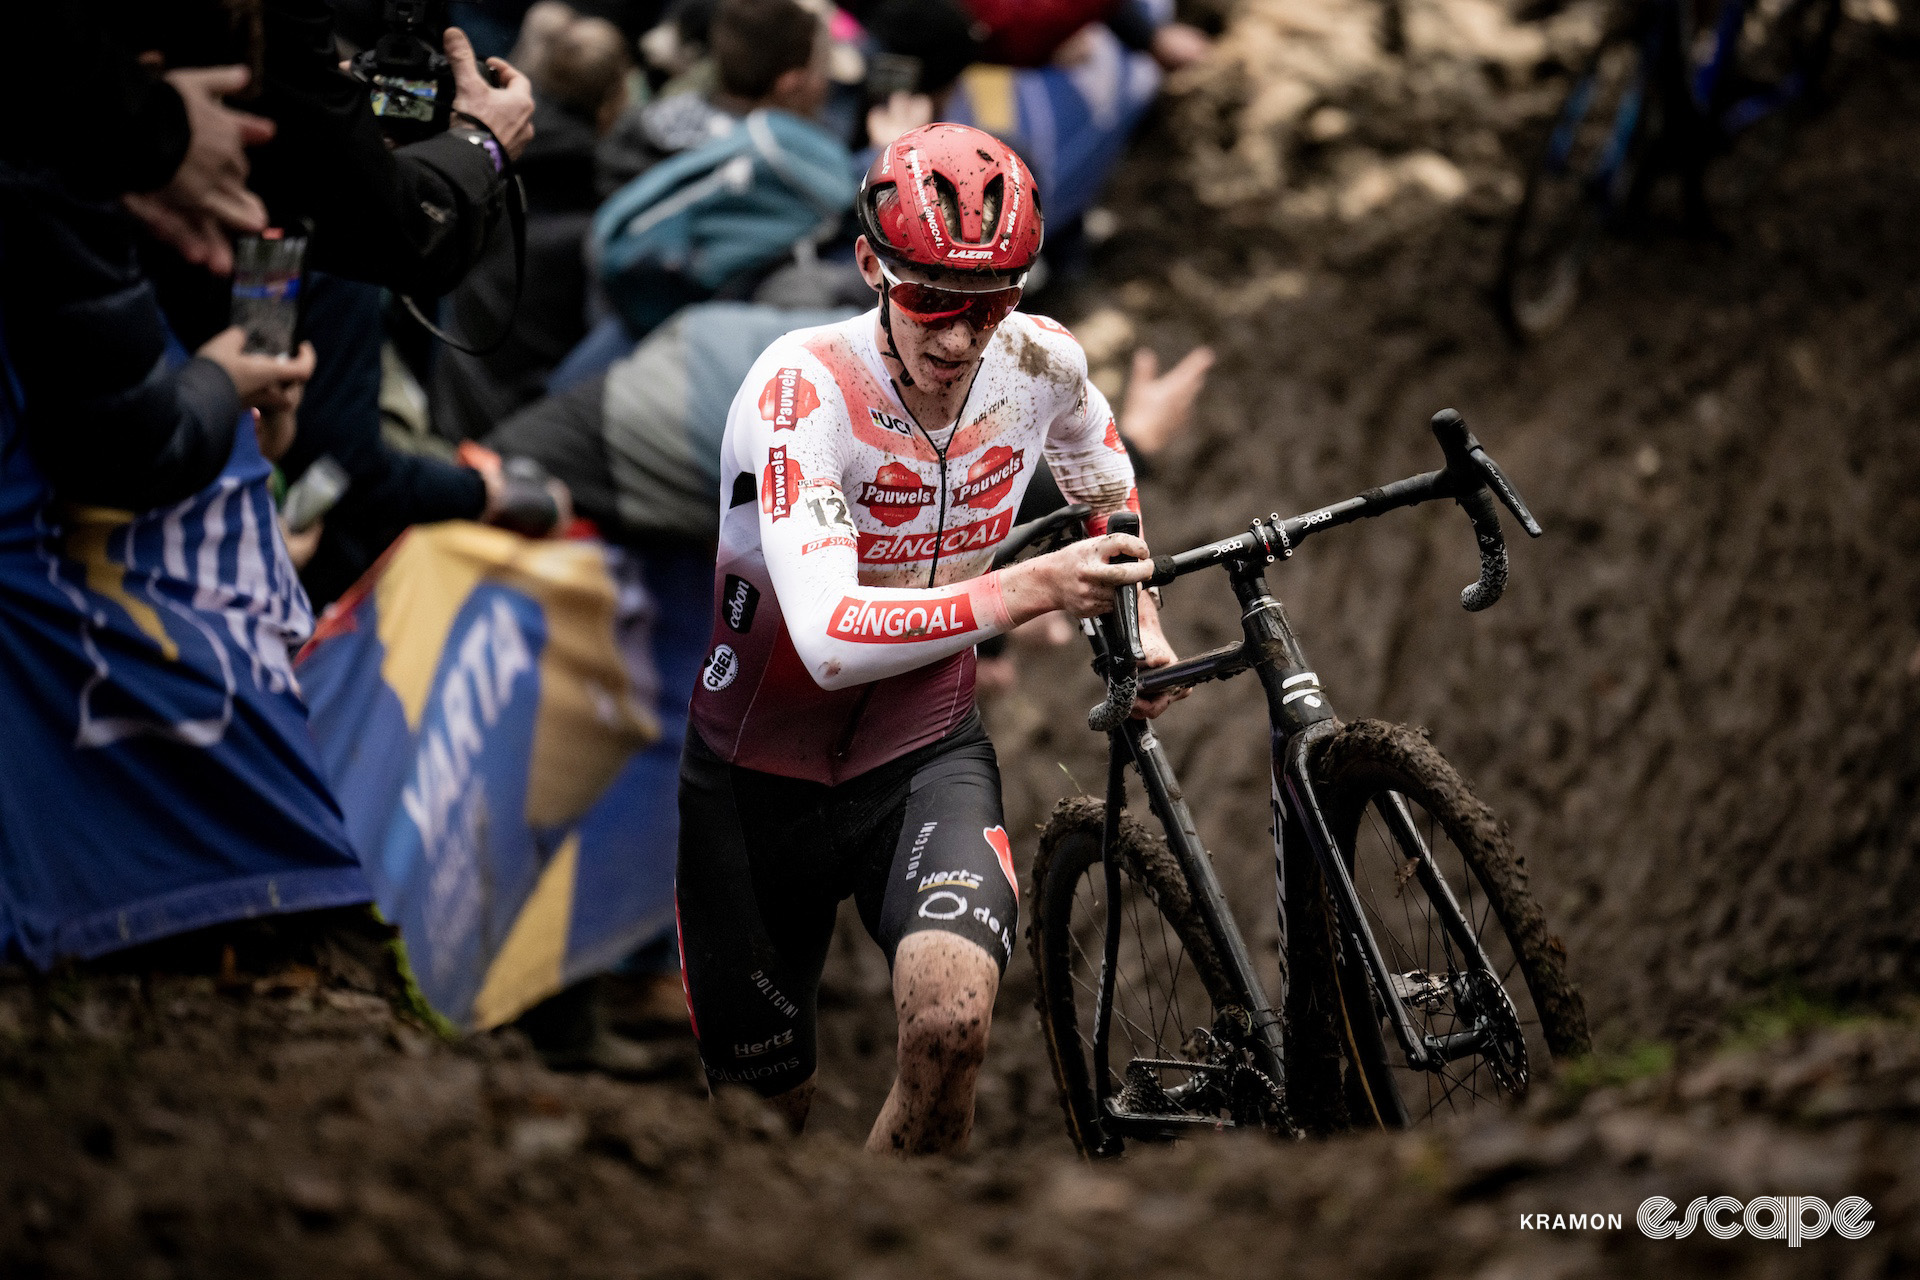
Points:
(871, 467)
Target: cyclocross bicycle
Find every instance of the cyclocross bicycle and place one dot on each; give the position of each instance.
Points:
(1417, 976)
(1668, 89)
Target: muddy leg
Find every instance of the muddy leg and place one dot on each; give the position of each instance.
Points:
(943, 990)
(795, 1103)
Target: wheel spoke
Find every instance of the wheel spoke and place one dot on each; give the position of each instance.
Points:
(1142, 1011)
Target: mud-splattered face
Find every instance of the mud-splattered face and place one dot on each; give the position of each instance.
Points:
(943, 353)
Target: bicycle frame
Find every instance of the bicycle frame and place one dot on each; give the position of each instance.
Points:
(1299, 714)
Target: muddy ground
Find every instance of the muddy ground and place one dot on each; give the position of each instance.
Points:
(1694, 707)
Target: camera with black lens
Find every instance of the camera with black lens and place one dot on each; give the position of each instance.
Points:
(408, 77)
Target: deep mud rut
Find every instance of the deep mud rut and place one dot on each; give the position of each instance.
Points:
(1694, 708)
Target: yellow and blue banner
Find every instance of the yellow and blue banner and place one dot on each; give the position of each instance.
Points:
(156, 773)
(484, 706)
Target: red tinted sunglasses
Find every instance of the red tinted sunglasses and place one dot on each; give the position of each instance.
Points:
(938, 308)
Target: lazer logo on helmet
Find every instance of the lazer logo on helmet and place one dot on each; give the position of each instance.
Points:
(989, 479)
(902, 548)
(969, 253)
(895, 494)
(898, 622)
(786, 399)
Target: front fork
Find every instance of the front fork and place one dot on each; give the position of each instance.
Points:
(1302, 715)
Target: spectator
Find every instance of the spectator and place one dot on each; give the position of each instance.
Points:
(112, 421)
(639, 446)
(160, 777)
(413, 219)
(539, 31)
(1028, 33)
(580, 91)
(165, 142)
(947, 35)
(766, 54)
(148, 665)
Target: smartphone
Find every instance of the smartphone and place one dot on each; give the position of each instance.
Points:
(268, 270)
(314, 494)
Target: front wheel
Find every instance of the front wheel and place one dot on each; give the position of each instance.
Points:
(1468, 952)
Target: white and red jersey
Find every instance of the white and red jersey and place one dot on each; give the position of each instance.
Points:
(849, 591)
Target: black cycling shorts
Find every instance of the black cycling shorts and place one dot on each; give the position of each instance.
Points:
(765, 861)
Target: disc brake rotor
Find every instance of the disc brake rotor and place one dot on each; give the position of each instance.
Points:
(1485, 1006)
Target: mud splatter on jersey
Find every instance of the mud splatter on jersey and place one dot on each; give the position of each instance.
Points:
(863, 648)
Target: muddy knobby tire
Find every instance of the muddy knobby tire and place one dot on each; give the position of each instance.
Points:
(1354, 764)
(1070, 846)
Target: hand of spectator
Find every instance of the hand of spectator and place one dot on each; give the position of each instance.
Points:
(274, 429)
(899, 114)
(500, 501)
(1159, 405)
(507, 110)
(501, 497)
(301, 546)
(1177, 45)
(563, 499)
(485, 461)
(208, 197)
(262, 382)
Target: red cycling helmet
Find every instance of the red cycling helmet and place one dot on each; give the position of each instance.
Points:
(950, 197)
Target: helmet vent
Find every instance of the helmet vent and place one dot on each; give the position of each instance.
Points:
(991, 200)
(949, 199)
(879, 200)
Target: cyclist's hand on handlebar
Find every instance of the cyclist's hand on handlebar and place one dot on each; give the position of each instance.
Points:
(1076, 579)
(1159, 654)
